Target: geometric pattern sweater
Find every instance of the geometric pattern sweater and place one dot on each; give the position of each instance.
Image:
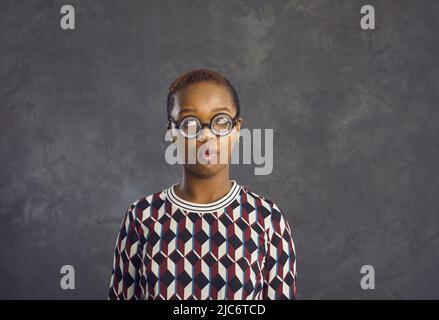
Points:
(237, 248)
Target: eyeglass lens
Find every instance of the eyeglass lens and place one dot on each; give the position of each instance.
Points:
(221, 125)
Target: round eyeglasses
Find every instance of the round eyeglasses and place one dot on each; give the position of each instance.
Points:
(190, 127)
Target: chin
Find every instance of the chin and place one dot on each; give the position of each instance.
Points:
(205, 170)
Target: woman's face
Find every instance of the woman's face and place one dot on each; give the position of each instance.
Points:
(211, 153)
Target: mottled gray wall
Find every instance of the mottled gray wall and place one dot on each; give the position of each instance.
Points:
(355, 117)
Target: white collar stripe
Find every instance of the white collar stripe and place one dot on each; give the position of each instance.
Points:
(224, 201)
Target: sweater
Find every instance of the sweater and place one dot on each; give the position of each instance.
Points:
(239, 247)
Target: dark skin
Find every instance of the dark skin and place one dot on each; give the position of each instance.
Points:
(205, 183)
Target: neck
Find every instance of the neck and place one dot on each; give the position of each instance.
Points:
(203, 190)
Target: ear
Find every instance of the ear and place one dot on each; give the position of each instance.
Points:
(238, 128)
(173, 133)
(238, 124)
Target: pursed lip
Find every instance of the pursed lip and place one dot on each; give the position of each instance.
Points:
(210, 153)
(211, 150)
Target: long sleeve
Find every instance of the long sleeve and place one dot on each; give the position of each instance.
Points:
(126, 280)
(280, 267)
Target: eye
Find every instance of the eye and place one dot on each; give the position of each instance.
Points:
(222, 124)
(222, 121)
(189, 126)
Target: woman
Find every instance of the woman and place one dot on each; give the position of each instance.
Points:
(206, 237)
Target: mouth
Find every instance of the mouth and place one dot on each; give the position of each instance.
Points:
(209, 154)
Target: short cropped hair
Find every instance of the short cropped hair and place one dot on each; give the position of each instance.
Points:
(196, 76)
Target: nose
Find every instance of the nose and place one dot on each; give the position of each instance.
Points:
(205, 135)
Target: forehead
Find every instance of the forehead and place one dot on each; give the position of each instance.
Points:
(203, 97)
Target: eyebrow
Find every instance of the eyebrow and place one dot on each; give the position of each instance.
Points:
(189, 109)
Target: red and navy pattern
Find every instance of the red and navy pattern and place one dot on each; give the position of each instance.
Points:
(239, 247)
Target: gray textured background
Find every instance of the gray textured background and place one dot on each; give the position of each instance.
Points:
(355, 116)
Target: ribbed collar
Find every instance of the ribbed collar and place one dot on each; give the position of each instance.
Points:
(204, 207)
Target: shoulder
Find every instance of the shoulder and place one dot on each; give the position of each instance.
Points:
(141, 207)
(274, 218)
(262, 203)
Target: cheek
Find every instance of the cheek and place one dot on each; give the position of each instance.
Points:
(181, 143)
(185, 147)
(226, 144)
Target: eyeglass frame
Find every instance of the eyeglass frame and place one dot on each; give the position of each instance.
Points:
(176, 123)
